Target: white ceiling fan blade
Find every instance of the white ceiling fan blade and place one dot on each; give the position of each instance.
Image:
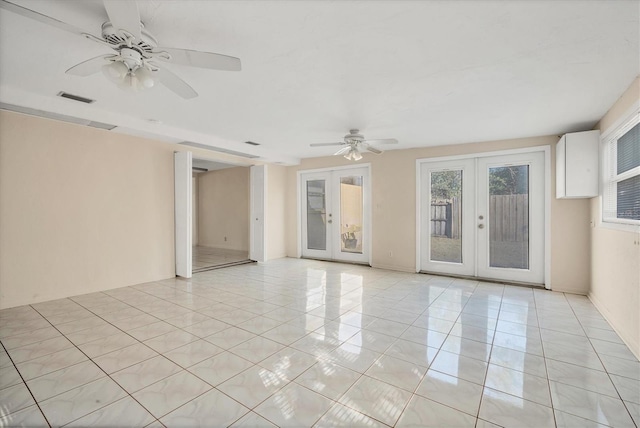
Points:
(88, 67)
(342, 151)
(124, 15)
(382, 141)
(371, 149)
(212, 61)
(325, 144)
(175, 84)
(31, 14)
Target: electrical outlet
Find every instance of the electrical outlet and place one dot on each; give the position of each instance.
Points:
(225, 239)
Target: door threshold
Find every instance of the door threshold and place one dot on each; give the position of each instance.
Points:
(337, 261)
(207, 268)
(495, 281)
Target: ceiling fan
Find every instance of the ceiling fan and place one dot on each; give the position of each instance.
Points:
(134, 65)
(355, 143)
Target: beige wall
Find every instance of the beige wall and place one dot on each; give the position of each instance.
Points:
(276, 212)
(615, 255)
(81, 210)
(393, 184)
(223, 208)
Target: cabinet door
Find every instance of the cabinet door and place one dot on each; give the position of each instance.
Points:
(582, 164)
(577, 165)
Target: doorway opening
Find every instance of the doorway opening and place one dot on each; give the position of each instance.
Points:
(220, 215)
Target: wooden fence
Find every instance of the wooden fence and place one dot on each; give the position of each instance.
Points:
(446, 219)
(508, 218)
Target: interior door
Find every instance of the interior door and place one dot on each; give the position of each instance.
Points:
(484, 217)
(335, 215)
(183, 206)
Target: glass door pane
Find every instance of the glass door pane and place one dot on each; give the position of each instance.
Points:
(445, 215)
(509, 217)
(351, 219)
(447, 205)
(316, 215)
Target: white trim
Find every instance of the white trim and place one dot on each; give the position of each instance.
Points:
(298, 217)
(547, 217)
(632, 342)
(486, 154)
(476, 189)
(547, 198)
(617, 125)
(183, 195)
(367, 204)
(257, 254)
(333, 168)
(418, 215)
(626, 122)
(369, 214)
(265, 213)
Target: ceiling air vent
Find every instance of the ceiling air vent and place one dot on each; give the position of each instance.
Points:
(219, 150)
(76, 97)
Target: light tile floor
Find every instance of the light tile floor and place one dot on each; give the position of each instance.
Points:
(205, 258)
(307, 343)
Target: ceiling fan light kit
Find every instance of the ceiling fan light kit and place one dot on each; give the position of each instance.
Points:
(134, 66)
(354, 143)
(136, 79)
(353, 154)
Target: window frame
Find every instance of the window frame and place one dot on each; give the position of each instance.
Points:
(608, 192)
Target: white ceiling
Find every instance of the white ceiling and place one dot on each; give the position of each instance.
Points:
(425, 72)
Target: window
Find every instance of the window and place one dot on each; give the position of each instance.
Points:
(621, 168)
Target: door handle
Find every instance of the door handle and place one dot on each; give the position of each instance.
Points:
(481, 226)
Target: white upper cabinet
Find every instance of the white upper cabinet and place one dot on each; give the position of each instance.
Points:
(577, 165)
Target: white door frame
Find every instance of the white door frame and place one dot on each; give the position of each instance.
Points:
(183, 203)
(257, 213)
(366, 201)
(183, 200)
(547, 198)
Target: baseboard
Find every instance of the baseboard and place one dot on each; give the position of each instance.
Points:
(570, 291)
(632, 343)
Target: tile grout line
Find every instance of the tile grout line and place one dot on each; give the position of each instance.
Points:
(484, 381)
(26, 386)
(601, 362)
(544, 359)
(91, 359)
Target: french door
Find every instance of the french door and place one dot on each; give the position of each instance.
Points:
(484, 217)
(335, 214)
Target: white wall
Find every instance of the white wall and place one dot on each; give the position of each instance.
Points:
(615, 254)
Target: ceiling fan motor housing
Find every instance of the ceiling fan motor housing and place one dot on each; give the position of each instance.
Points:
(145, 45)
(353, 137)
